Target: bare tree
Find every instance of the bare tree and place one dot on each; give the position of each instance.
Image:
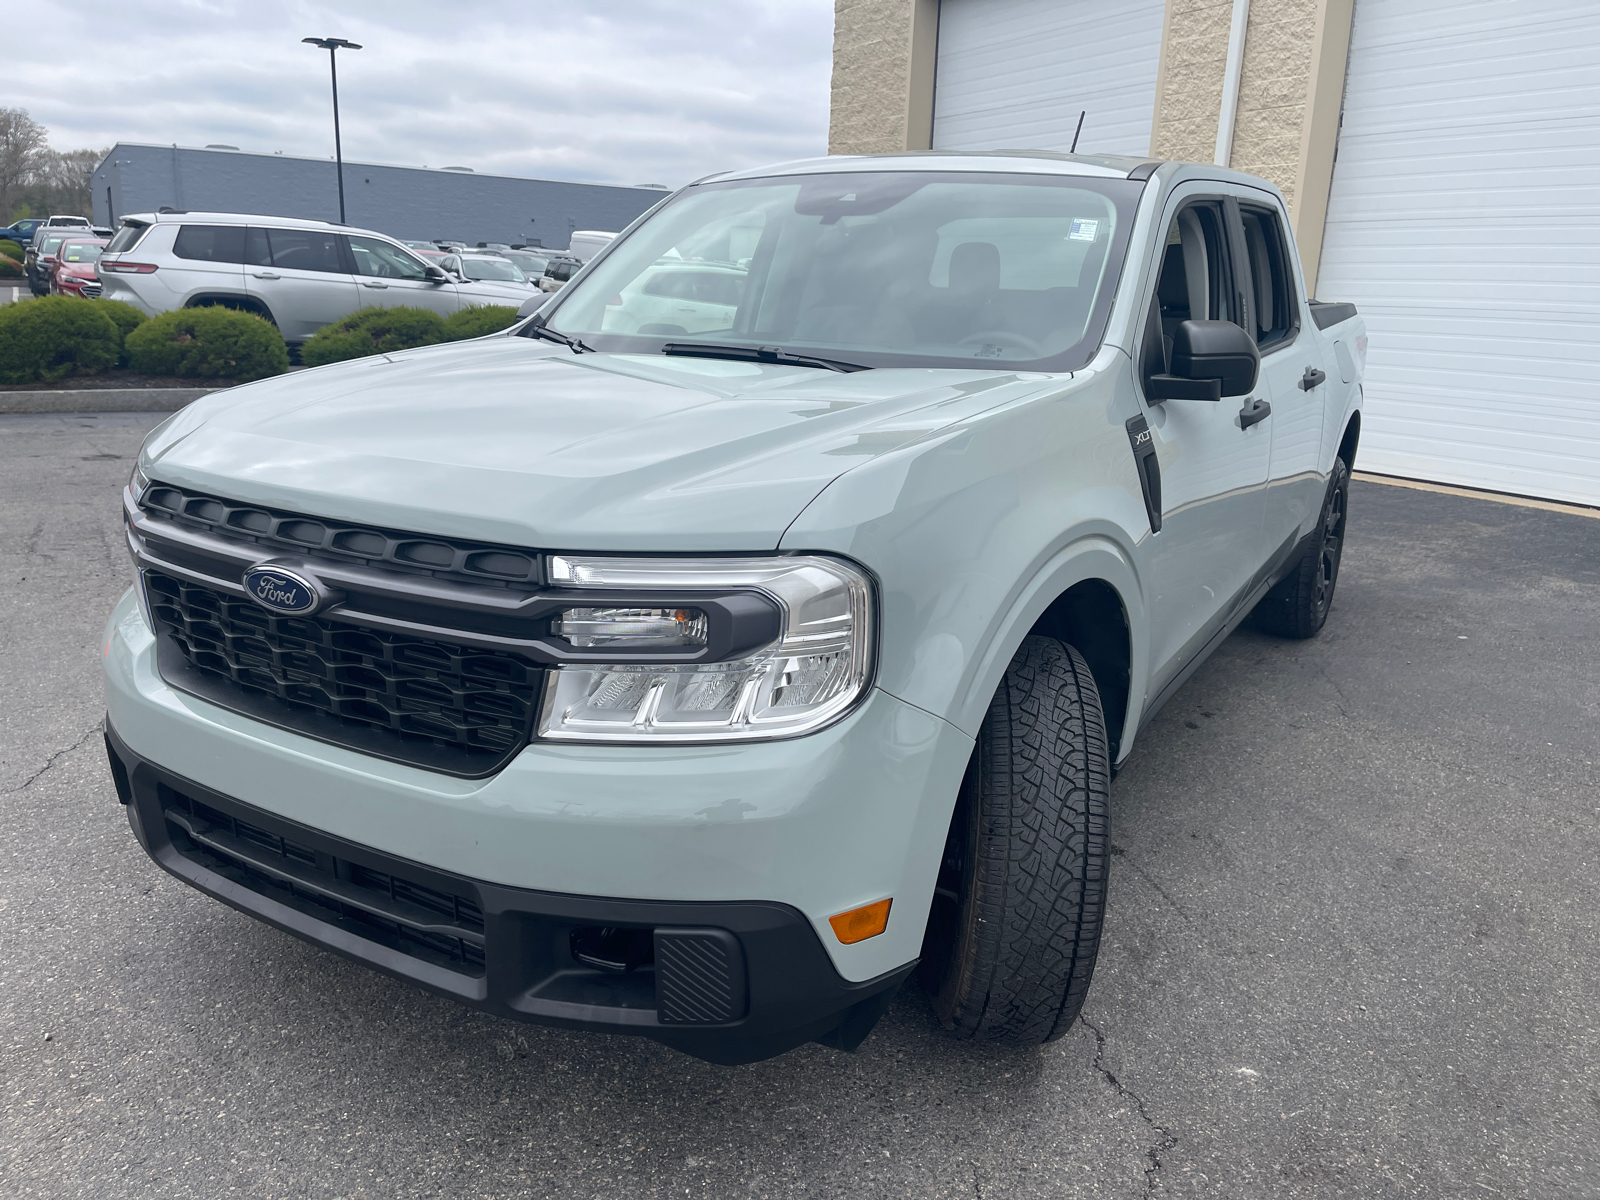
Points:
(22, 139)
(65, 178)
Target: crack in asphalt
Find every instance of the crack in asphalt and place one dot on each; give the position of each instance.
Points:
(1167, 1142)
(51, 761)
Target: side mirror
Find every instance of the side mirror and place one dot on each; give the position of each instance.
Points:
(1210, 360)
(436, 274)
(532, 305)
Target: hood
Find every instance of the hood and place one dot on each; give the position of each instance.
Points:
(494, 291)
(511, 440)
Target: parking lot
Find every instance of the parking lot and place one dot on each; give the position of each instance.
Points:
(1351, 952)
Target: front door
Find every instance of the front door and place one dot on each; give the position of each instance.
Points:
(391, 278)
(300, 276)
(1200, 568)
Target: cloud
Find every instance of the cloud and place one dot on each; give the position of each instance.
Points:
(609, 91)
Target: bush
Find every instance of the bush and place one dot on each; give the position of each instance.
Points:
(208, 343)
(10, 249)
(126, 318)
(10, 268)
(54, 337)
(372, 331)
(478, 321)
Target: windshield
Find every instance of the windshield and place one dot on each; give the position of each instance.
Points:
(80, 252)
(882, 269)
(492, 268)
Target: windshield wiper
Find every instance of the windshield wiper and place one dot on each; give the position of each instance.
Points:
(766, 354)
(539, 330)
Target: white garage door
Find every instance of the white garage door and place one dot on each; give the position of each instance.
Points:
(1016, 74)
(1464, 221)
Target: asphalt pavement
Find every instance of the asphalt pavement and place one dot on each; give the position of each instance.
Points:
(1351, 947)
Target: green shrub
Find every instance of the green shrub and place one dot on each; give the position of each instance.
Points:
(11, 249)
(478, 321)
(126, 318)
(372, 331)
(10, 268)
(54, 337)
(208, 343)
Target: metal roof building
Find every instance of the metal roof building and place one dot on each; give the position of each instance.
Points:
(403, 202)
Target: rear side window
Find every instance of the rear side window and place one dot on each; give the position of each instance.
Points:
(127, 237)
(1275, 305)
(211, 243)
(295, 250)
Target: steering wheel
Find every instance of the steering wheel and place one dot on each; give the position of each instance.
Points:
(1003, 337)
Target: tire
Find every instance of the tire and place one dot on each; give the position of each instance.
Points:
(1297, 607)
(1015, 926)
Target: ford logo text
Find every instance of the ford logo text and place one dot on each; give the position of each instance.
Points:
(280, 590)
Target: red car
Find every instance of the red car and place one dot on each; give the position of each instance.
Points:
(73, 272)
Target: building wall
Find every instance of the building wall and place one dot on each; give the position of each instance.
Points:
(1285, 121)
(403, 202)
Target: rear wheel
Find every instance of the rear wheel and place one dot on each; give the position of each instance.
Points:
(1298, 606)
(1015, 926)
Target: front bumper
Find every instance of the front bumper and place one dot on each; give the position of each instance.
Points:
(726, 982)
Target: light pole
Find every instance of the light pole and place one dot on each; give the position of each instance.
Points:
(333, 46)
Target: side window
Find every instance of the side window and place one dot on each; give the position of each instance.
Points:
(1275, 306)
(210, 243)
(1195, 282)
(384, 261)
(305, 250)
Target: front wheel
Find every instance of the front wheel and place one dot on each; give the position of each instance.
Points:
(1015, 926)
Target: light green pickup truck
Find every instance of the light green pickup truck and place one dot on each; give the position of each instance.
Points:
(759, 623)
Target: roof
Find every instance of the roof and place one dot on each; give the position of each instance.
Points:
(1038, 162)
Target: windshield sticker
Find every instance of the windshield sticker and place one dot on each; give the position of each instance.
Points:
(1082, 230)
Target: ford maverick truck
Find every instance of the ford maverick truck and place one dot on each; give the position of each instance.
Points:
(760, 623)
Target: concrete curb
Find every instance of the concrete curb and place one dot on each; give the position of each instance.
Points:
(78, 400)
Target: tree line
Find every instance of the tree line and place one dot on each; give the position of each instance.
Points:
(36, 181)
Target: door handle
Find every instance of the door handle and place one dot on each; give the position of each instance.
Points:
(371, 284)
(265, 275)
(1253, 413)
(1312, 378)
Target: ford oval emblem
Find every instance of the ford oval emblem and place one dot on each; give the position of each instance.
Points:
(280, 590)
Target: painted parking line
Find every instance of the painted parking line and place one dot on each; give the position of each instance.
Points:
(1577, 510)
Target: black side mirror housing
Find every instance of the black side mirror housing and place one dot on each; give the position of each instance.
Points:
(1210, 360)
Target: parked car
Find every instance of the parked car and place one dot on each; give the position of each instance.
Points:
(21, 232)
(39, 258)
(73, 273)
(704, 686)
(559, 269)
(490, 271)
(301, 275)
(68, 222)
(530, 263)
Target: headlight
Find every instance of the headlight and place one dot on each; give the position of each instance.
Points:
(808, 677)
(138, 481)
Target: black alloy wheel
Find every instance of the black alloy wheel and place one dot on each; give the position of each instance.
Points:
(1298, 606)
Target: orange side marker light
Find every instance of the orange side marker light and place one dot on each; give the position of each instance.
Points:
(859, 924)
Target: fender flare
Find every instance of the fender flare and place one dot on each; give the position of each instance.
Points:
(1088, 557)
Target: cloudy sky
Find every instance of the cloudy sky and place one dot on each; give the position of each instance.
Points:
(611, 91)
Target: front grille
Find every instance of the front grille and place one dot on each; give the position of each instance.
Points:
(429, 703)
(91, 289)
(445, 558)
(438, 927)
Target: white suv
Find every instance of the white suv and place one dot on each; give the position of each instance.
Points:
(301, 275)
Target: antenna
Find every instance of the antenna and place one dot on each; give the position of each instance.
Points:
(1079, 130)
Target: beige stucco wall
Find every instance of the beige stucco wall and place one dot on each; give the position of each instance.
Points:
(1194, 56)
(883, 56)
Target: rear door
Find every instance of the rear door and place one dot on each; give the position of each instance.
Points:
(1202, 564)
(389, 277)
(1293, 375)
(301, 276)
(207, 260)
